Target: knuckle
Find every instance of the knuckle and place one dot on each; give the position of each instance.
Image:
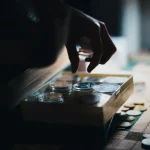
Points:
(102, 23)
(96, 23)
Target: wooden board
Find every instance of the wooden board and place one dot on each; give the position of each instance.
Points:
(132, 139)
(70, 113)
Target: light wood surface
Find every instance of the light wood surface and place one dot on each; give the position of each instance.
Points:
(119, 141)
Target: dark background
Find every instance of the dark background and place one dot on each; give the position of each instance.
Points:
(104, 10)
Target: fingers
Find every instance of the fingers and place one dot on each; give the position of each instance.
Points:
(101, 43)
(96, 44)
(108, 45)
(73, 56)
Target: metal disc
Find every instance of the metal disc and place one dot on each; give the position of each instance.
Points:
(53, 97)
(115, 79)
(133, 113)
(91, 79)
(129, 118)
(125, 124)
(146, 135)
(146, 143)
(106, 88)
(83, 86)
(59, 84)
(90, 99)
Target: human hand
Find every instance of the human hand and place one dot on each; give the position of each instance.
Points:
(82, 25)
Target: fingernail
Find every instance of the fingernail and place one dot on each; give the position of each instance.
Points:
(74, 69)
(90, 68)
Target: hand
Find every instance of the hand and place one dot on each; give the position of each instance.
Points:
(82, 25)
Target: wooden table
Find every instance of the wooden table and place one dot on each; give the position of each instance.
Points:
(121, 140)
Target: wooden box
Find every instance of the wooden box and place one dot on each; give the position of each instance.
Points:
(79, 114)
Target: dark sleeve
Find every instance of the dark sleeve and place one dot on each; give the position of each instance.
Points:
(43, 38)
(39, 29)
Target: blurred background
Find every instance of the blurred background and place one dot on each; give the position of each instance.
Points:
(128, 22)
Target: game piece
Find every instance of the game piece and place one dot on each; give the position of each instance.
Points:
(140, 108)
(124, 109)
(118, 112)
(123, 113)
(133, 113)
(83, 86)
(106, 88)
(91, 79)
(125, 124)
(146, 143)
(51, 97)
(33, 97)
(128, 118)
(146, 136)
(139, 103)
(59, 84)
(89, 98)
(70, 78)
(115, 79)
